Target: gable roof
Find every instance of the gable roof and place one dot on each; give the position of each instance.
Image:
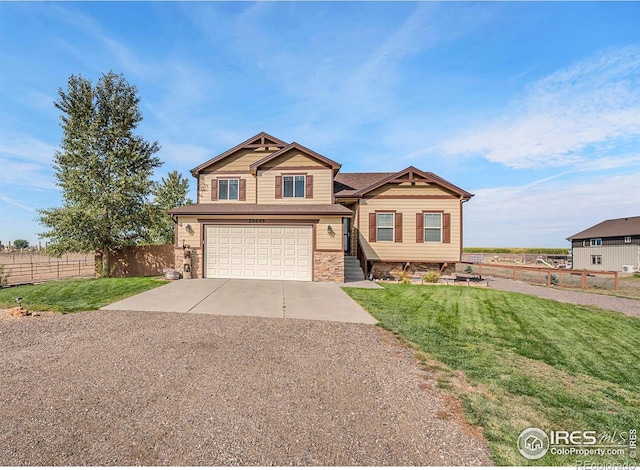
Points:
(611, 228)
(294, 145)
(257, 141)
(362, 183)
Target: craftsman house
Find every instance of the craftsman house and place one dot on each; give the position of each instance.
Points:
(612, 245)
(268, 209)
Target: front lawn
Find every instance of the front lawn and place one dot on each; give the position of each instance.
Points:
(518, 361)
(77, 294)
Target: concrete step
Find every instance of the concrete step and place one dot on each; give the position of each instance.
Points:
(354, 273)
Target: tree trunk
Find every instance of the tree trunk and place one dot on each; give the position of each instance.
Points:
(106, 263)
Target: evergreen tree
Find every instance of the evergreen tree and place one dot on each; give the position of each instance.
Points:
(170, 193)
(103, 169)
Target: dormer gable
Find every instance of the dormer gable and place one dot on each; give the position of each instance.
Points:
(412, 175)
(291, 150)
(261, 142)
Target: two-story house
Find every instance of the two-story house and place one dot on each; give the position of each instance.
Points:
(267, 209)
(611, 245)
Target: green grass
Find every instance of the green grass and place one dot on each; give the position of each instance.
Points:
(77, 294)
(518, 361)
(534, 251)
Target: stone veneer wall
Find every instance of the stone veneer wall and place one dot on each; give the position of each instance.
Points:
(328, 266)
(196, 262)
(380, 268)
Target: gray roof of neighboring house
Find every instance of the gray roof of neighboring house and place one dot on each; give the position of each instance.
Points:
(262, 209)
(626, 226)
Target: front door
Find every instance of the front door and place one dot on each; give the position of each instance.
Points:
(346, 233)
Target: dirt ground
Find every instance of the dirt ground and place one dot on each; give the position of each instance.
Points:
(131, 388)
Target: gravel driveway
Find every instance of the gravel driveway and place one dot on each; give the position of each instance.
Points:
(608, 302)
(132, 388)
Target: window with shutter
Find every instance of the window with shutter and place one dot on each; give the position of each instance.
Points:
(243, 190)
(432, 227)
(310, 186)
(214, 189)
(372, 227)
(384, 227)
(228, 189)
(419, 228)
(398, 228)
(446, 228)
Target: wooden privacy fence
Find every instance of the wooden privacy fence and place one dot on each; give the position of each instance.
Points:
(546, 276)
(28, 273)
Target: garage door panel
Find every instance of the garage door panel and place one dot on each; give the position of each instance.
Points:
(265, 252)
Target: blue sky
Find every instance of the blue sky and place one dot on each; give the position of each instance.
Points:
(533, 107)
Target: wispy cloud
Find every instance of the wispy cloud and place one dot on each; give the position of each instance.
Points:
(591, 106)
(542, 212)
(26, 147)
(15, 203)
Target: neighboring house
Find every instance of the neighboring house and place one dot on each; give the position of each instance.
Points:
(268, 209)
(612, 245)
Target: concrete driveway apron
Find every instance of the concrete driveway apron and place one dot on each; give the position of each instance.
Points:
(249, 297)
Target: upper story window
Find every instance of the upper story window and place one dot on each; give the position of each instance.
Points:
(293, 186)
(627, 239)
(228, 189)
(384, 226)
(433, 227)
(596, 242)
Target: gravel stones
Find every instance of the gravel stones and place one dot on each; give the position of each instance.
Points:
(131, 388)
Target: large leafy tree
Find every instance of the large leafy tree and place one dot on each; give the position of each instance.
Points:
(170, 193)
(103, 168)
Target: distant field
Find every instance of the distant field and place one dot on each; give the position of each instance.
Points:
(534, 251)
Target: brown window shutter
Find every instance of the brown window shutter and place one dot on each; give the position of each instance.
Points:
(214, 189)
(398, 228)
(309, 186)
(278, 187)
(242, 191)
(372, 227)
(446, 228)
(419, 228)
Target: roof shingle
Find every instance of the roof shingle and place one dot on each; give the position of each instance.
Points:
(626, 226)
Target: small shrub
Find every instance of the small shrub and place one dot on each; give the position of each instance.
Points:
(401, 276)
(431, 277)
(636, 275)
(554, 280)
(468, 270)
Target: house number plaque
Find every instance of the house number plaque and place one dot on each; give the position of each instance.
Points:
(256, 221)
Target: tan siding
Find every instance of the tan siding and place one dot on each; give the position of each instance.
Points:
(322, 187)
(326, 241)
(405, 189)
(613, 257)
(190, 238)
(294, 158)
(239, 161)
(409, 250)
(204, 193)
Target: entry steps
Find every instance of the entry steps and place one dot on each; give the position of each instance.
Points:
(352, 269)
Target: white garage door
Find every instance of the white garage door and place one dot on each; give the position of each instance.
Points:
(258, 252)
